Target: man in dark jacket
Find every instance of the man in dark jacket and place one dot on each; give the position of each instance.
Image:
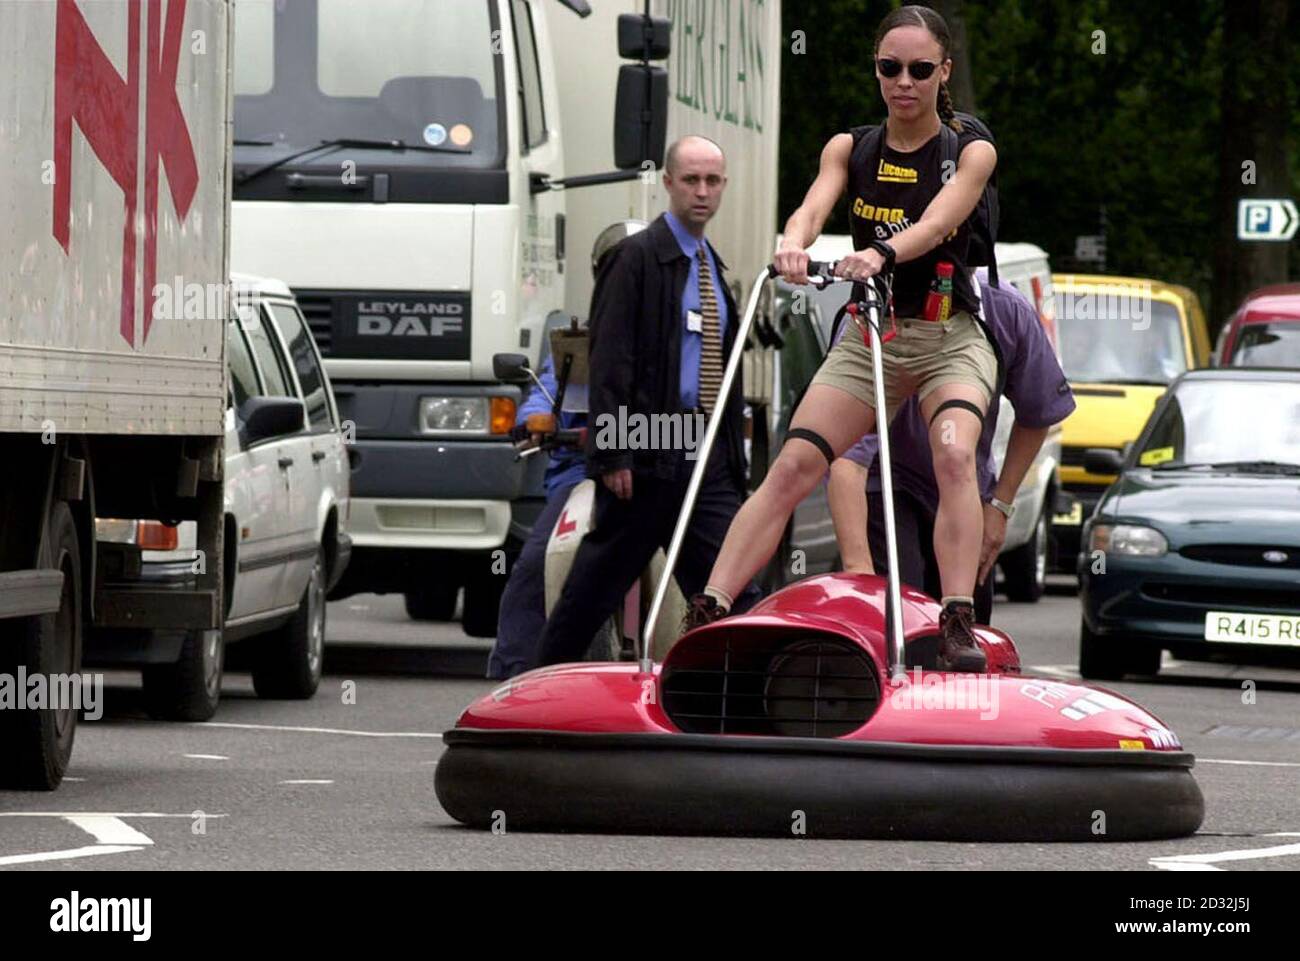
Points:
(662, 325)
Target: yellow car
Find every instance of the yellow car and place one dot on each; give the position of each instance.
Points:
(1123, 339)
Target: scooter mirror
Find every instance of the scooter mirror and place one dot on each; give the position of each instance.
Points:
(510, 368)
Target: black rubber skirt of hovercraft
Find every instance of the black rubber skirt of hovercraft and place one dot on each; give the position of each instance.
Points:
(691, 784)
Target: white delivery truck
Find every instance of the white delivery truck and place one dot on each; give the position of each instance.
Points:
(418, 172)
(113, 122)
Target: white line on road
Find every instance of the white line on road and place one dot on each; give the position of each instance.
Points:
(1223, 760)
(306, 780)
(1205, 862)
(314, 730)
(70, 853)
(98, 814)
(207, 757)
(107, 829)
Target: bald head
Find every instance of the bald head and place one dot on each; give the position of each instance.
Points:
(691, 144)
(695, 173)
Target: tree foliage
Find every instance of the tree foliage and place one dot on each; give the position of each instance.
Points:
(1130, 137)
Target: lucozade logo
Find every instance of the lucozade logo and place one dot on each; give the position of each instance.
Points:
(105, 106)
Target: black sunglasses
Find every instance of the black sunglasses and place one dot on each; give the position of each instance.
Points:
(919, 69)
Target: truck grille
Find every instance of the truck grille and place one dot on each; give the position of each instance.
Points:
(317, 309)
(804, 687)
(1245, 555)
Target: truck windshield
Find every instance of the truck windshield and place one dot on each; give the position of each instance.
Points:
(1119, 339)
(421, 72)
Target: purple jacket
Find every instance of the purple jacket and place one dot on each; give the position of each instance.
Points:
(1033, 382)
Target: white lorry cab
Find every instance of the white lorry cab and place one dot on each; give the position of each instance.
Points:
(113, 126)
(429, 176)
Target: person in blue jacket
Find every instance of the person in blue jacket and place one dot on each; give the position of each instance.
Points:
(523, 601)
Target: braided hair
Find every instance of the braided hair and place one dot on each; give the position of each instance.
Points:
(918, 16)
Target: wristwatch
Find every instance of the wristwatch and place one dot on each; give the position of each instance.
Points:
(885, 250)
(1006, 509)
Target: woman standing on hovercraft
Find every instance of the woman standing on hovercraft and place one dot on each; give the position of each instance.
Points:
(908, 215)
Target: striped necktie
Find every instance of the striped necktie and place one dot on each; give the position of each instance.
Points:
(711, 341)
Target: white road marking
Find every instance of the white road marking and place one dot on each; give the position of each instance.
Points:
(306, 780)
(207, 757)
(1206, 862)
(112, 835)
(314, 730)
(74, 780)
(1222, 760)
(107, 829)
(70, 853)
(98, 814)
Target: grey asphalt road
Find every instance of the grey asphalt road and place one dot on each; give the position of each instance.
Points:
(345, 781)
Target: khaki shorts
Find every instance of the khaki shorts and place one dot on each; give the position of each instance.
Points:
(925, 355)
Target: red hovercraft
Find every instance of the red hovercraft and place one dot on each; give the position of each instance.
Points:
(817, 703)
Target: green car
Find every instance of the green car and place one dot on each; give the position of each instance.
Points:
(1195, 548)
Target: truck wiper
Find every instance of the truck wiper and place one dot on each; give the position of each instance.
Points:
(339, 144)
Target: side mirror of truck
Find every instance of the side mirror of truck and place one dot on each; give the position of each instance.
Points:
(642, 94)
(269, 417)
(510, 368)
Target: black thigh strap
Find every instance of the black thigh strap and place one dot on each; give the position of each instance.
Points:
(814, 438)
(963, 404)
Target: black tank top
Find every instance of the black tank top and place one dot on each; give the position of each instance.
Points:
(888, 192)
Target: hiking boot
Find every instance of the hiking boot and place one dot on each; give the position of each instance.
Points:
(703, 610)
(959, 650)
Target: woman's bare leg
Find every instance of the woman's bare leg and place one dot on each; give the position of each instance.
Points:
(837, 416)
(959, 524)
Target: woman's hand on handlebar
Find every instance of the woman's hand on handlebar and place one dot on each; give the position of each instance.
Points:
(860, 265)
(792, 264)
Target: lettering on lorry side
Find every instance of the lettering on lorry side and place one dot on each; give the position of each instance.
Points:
(105, 106)
(717, 63)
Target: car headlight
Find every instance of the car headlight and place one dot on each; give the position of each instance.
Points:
(1131, 540)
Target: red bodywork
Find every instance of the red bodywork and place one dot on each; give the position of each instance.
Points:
(1000, 709)
(1279, 303)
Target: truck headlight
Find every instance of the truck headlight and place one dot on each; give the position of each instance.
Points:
(467, 415)
(1130, 540)
(464, 415)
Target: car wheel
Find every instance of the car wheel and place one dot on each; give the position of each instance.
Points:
(190, 689)
(434, 603)
(40, 742)
(1025, 568)
(288, 662)
(1110, 658)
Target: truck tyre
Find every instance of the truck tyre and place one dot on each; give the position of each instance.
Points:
(1025, 568)
(288, 662)
(40, 742)
(190, 689)
(436, 602)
